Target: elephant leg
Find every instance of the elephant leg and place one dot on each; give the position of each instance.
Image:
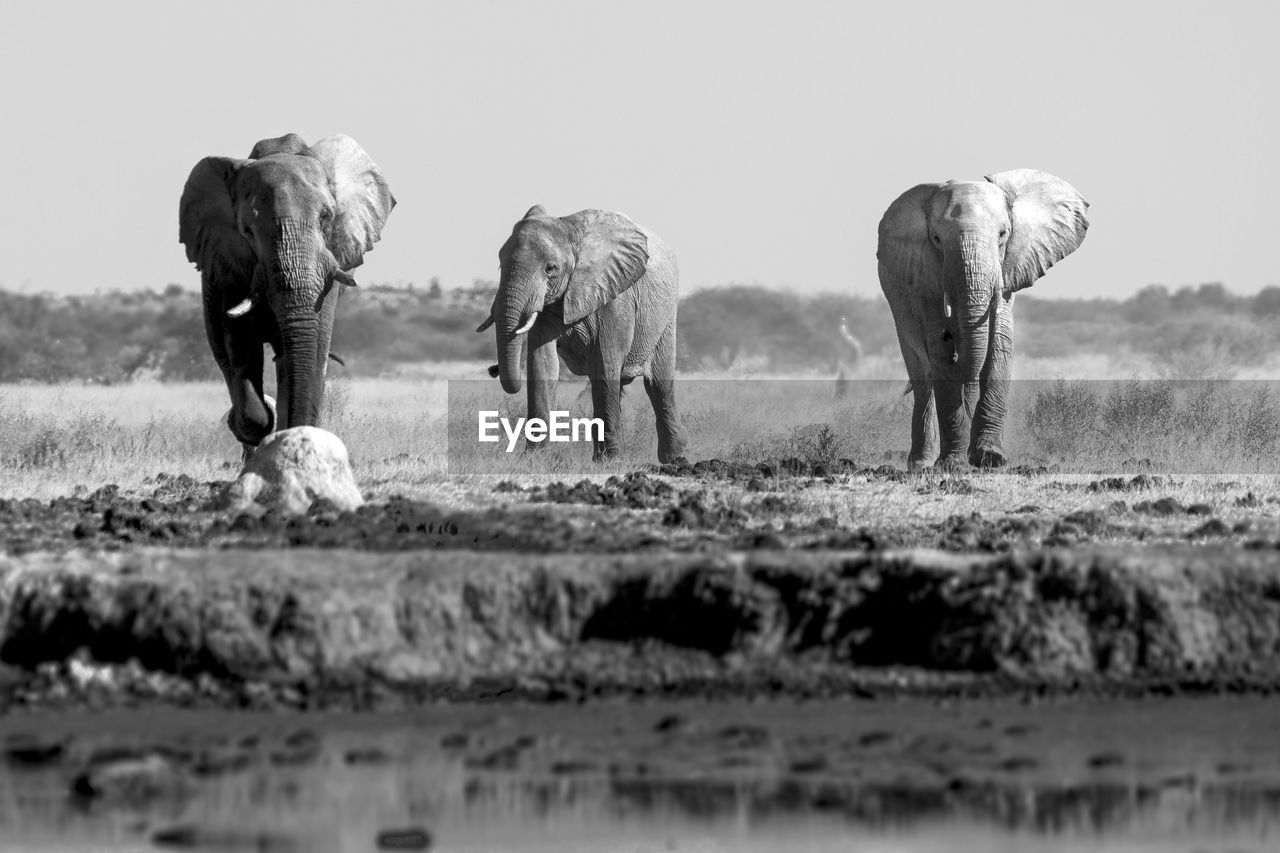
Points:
(660, 385)
(543, 377)
(986, 448)
(924, 425)
(606, 401)
(252, 418)
(924, 428)
(237, 349)
(606, 398)
(953, 398)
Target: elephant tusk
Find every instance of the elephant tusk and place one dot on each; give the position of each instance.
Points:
(337, 358)
(528, 324)
(240, 309)
(344, 277)
(494, 371)
(488, 321)
(946, 304)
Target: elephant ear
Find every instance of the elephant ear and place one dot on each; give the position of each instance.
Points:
(363, 198)
(290, 143)
(613, 254)
(908, 264)
(207, 221)
(1048, 222)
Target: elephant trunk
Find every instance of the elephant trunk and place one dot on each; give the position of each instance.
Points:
(973, 279)
(511, 310)
(302, 374)
(301, 274)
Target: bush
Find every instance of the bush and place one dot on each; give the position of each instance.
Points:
(1139, 414)
(1062, 419)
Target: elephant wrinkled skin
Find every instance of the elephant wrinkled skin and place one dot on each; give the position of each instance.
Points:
(599, 291)
(274, 237)
(951, 257)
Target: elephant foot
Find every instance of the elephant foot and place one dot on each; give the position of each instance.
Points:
(987, 456)
(608, 454)
(668, 455)
(252, 424)
(918, 463)
(952, 462)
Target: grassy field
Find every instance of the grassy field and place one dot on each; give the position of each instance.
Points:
(71, 439)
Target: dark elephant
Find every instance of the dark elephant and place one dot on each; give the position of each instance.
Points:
(274, 237)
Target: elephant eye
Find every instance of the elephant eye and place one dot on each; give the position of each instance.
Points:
(552, 269)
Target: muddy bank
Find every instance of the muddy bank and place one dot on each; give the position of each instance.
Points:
(310, 627)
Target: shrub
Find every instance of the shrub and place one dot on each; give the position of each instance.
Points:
(1062, 419)
(1137, 415)
(817, 444)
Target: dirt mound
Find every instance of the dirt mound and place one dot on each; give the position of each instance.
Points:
(792, 467)
(632, 491)
(1141, 482)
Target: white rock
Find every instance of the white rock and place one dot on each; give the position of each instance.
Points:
(291, 469)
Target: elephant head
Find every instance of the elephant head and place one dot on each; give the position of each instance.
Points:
(969, 245)
(272, 234)
(561, 269)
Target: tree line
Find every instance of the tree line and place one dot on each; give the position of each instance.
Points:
(122, 336)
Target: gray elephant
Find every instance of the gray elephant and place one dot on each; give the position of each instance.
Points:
(602, 291)
(951, 257)
(274, 237)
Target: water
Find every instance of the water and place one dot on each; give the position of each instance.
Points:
(1158, 775)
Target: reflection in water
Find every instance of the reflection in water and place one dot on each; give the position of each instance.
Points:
(1078, 810)
(328, 794)
(320, 810)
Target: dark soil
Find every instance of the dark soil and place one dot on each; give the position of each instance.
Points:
(729, 507)
(693, 579)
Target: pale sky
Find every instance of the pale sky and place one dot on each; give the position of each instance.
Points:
(762, 140)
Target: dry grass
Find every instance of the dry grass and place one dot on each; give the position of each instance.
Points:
(66, 439)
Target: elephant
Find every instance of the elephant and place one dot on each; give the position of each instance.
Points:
(271, 236)
(951, 258)
(602, 292)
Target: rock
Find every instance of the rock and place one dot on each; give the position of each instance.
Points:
(292, 469)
